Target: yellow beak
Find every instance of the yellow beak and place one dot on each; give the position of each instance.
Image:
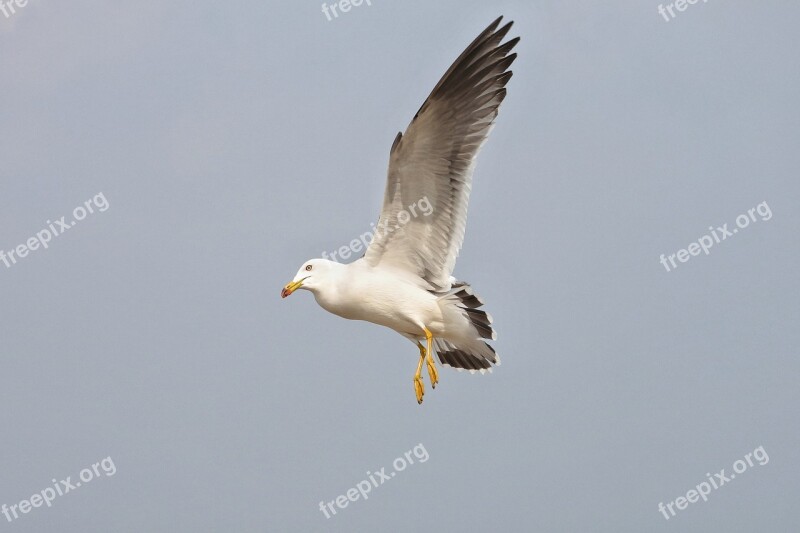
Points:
(291, 287)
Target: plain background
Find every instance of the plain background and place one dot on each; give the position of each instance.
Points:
(235, 141)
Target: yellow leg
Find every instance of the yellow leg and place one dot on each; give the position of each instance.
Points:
(419, 388)
(432, 372)
(422, 352)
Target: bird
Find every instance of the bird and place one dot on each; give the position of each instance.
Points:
(404, 279)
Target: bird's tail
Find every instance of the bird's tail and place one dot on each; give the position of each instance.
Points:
(470, 352)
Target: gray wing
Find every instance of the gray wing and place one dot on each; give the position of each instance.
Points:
(435, 159)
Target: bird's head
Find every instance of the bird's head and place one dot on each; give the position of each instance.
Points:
(311, 276)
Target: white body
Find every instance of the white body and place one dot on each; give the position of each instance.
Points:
(390, 298)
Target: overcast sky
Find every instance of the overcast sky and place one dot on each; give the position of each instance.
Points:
(229, 143)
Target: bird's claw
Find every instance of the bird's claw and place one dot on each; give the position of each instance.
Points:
(433, 373)
(419, 388)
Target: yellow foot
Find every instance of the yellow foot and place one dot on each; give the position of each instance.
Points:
(419, 388)
(432, 372)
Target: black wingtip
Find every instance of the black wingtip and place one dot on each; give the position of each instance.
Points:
(490, 29)
(396, 141)
(504, 30)
(511, 43)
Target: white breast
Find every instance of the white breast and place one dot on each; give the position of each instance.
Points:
(382, 297)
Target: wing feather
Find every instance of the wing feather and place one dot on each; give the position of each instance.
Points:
(434, 161)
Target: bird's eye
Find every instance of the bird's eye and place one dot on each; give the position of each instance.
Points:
(308, 267)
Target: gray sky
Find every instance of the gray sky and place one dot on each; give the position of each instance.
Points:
(233, 142)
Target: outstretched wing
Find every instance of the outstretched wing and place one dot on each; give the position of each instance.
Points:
(430, 167)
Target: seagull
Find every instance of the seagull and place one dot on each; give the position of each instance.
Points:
(404, 280)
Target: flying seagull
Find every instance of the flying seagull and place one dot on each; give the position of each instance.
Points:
(404, 279)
